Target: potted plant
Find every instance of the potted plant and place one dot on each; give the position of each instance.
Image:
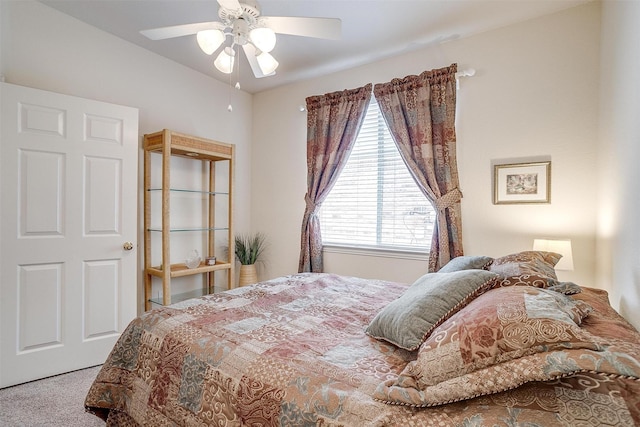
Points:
(249, 247)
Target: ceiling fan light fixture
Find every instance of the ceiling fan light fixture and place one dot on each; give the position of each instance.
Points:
(263, 38)
(225, 60)
(243, 22)
(210, 40)
(267, 63)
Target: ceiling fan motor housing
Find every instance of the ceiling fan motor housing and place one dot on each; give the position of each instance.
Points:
(240, 32)
(241, 21)
(249, 11)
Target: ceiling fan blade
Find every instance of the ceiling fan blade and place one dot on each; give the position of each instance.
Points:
(230, 4)
(250, 52)
(323, 28)
(180, 30)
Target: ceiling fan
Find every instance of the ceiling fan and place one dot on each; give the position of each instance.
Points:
(242, 22)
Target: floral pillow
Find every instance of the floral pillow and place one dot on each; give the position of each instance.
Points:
(502, 339)
(528, 268)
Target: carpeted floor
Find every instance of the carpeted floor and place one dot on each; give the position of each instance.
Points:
(52, 402)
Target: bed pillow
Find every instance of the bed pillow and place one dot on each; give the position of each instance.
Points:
(502, 339)
(430, 300)
(466, 262)
(528, 268)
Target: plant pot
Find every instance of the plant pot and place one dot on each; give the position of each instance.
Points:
(248, 275)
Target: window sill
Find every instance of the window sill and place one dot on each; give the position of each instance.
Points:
(376, 252)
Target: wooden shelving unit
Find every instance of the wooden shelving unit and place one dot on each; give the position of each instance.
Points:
(168, 144)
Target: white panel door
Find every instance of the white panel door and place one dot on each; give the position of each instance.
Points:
(68, 211)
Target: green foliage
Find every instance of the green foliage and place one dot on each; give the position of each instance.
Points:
(249, 247)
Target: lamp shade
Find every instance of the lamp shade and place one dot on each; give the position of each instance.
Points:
(562, 247)
(224, 61)
(267, 63)
(210, 40)
(263, 38)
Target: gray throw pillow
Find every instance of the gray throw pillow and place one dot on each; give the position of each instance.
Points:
(407, 321)
(466, 262)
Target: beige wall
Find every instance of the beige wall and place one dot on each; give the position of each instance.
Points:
(619, 153)
(534, 96)
(45, 49)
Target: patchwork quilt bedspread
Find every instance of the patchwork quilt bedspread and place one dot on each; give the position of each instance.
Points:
(293, 352)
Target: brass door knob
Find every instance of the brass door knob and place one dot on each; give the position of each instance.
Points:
(127, 246)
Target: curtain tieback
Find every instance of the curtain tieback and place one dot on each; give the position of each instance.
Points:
(448, 200)
(311, 206)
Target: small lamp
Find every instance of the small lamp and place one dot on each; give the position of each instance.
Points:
(562, 247)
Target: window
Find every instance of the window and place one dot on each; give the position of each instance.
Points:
(375, 203)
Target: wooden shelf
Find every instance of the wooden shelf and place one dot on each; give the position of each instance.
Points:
(185, 229)
(183, 296)
(189, 146)
(168, 144)
(181, 190)
(180, 270)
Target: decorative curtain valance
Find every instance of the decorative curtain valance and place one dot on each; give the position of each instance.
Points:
(420, 113)
(333, 123)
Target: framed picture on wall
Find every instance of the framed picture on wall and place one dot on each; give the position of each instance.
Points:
(522, 183)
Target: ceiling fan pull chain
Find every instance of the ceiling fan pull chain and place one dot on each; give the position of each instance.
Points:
(230, 107)
(238, 75)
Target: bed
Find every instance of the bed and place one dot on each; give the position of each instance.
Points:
(482, 342)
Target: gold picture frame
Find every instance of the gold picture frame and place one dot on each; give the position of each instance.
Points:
(517, 183)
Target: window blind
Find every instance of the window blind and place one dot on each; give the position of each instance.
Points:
(375, 203)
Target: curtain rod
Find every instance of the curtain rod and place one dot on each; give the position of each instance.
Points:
(469, 72)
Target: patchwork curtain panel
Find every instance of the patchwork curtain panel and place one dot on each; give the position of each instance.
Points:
(333, 123)
(420, 113)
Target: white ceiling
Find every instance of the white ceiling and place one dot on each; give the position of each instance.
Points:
(371, 29)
